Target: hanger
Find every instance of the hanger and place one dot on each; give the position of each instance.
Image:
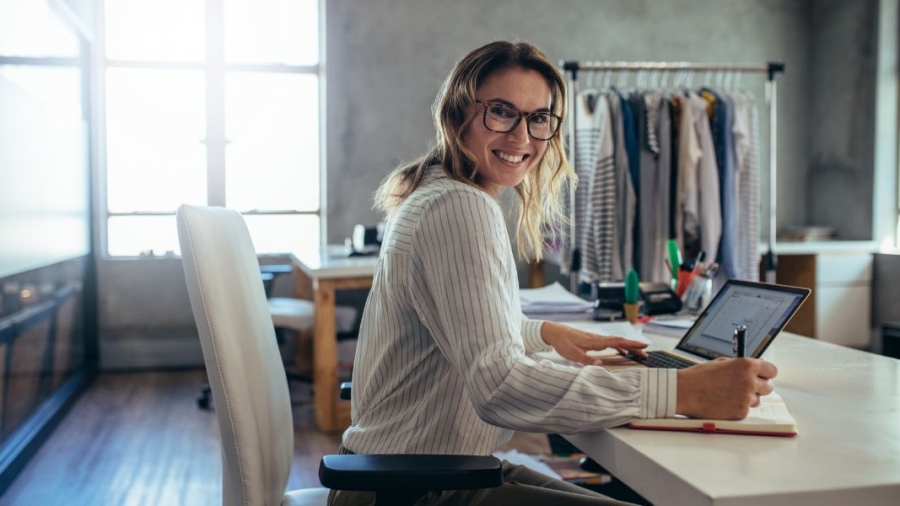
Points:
(623, 78)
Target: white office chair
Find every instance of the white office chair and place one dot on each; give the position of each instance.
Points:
(243, 363)
(249, 386)
(296, 315)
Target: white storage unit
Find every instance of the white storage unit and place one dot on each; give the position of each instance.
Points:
(843, 298)
(840, 275)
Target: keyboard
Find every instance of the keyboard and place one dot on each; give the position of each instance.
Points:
(663, 360)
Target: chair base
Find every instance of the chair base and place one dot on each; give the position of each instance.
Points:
(204, 400)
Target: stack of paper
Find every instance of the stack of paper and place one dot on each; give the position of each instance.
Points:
(670, 326)
(553, 302)
(523, 459)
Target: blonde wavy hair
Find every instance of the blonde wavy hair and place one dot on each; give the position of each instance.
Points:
(540, 209)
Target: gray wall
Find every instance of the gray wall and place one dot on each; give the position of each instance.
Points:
(841, 140)
(386, 58)
(145, 315)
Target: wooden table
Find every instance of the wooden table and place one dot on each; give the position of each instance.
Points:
(847, 406)
(317, 276)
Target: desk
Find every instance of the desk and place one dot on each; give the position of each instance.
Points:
(317, 276)
(847, 406)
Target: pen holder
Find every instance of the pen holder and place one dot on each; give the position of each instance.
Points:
(698, 294)
(632, 310)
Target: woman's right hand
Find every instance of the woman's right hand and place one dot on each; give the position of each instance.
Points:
(725, 388)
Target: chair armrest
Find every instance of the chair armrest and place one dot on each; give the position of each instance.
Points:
(409, 472)
(346, 387)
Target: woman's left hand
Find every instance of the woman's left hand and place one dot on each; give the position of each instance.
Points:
(574, 344)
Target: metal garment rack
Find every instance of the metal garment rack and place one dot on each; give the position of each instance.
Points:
(771, 69)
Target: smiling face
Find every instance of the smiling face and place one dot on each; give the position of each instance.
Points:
(503, 159)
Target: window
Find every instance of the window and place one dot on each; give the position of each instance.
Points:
(44, 174)
(212, 102)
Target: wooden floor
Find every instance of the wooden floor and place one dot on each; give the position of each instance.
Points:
(139, 439)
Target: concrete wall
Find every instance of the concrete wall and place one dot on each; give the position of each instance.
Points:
(386, 59)
(841, 141)
(145, 315)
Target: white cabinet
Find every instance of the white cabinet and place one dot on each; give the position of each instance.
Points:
(843, 298)
(839, 308)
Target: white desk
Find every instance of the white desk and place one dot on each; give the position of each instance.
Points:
(847, 407)
(317, 276)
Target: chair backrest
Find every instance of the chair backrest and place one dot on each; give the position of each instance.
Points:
(246, 375)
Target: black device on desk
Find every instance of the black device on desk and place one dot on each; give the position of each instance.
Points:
(657, 298)
(366, 240)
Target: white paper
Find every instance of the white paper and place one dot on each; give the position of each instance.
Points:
(669, 327)
(771, 409)
(552, 298)
(523, 459)
(553, 302)
(619, 329)
(678, 323)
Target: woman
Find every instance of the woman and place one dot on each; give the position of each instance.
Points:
(443, 363)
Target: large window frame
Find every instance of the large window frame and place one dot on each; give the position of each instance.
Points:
(215, 69)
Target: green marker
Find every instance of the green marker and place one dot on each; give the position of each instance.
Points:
(674, 257)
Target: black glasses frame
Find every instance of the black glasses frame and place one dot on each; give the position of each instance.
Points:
(525, 115)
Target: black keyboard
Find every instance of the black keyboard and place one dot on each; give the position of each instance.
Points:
(663, 360)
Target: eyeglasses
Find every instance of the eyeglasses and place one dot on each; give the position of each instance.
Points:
(501, 118)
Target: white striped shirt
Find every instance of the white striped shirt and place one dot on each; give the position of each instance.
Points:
(746, 135)
(442, 363)
(595, 195)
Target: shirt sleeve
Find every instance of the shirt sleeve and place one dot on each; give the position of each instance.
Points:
(531, 335)
(467, 298)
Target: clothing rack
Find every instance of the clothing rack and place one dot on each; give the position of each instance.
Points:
(771, 69)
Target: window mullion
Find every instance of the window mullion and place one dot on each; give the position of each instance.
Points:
(215, 102)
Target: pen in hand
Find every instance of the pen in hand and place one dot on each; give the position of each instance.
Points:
(739, 341)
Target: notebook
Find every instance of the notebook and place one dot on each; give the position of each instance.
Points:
(763, 308)
(770, 418)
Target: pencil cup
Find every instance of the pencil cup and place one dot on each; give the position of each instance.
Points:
(632, 309)
(698, 294)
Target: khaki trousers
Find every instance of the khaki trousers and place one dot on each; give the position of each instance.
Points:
(521, 486)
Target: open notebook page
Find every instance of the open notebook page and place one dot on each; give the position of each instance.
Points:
(770, 417)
